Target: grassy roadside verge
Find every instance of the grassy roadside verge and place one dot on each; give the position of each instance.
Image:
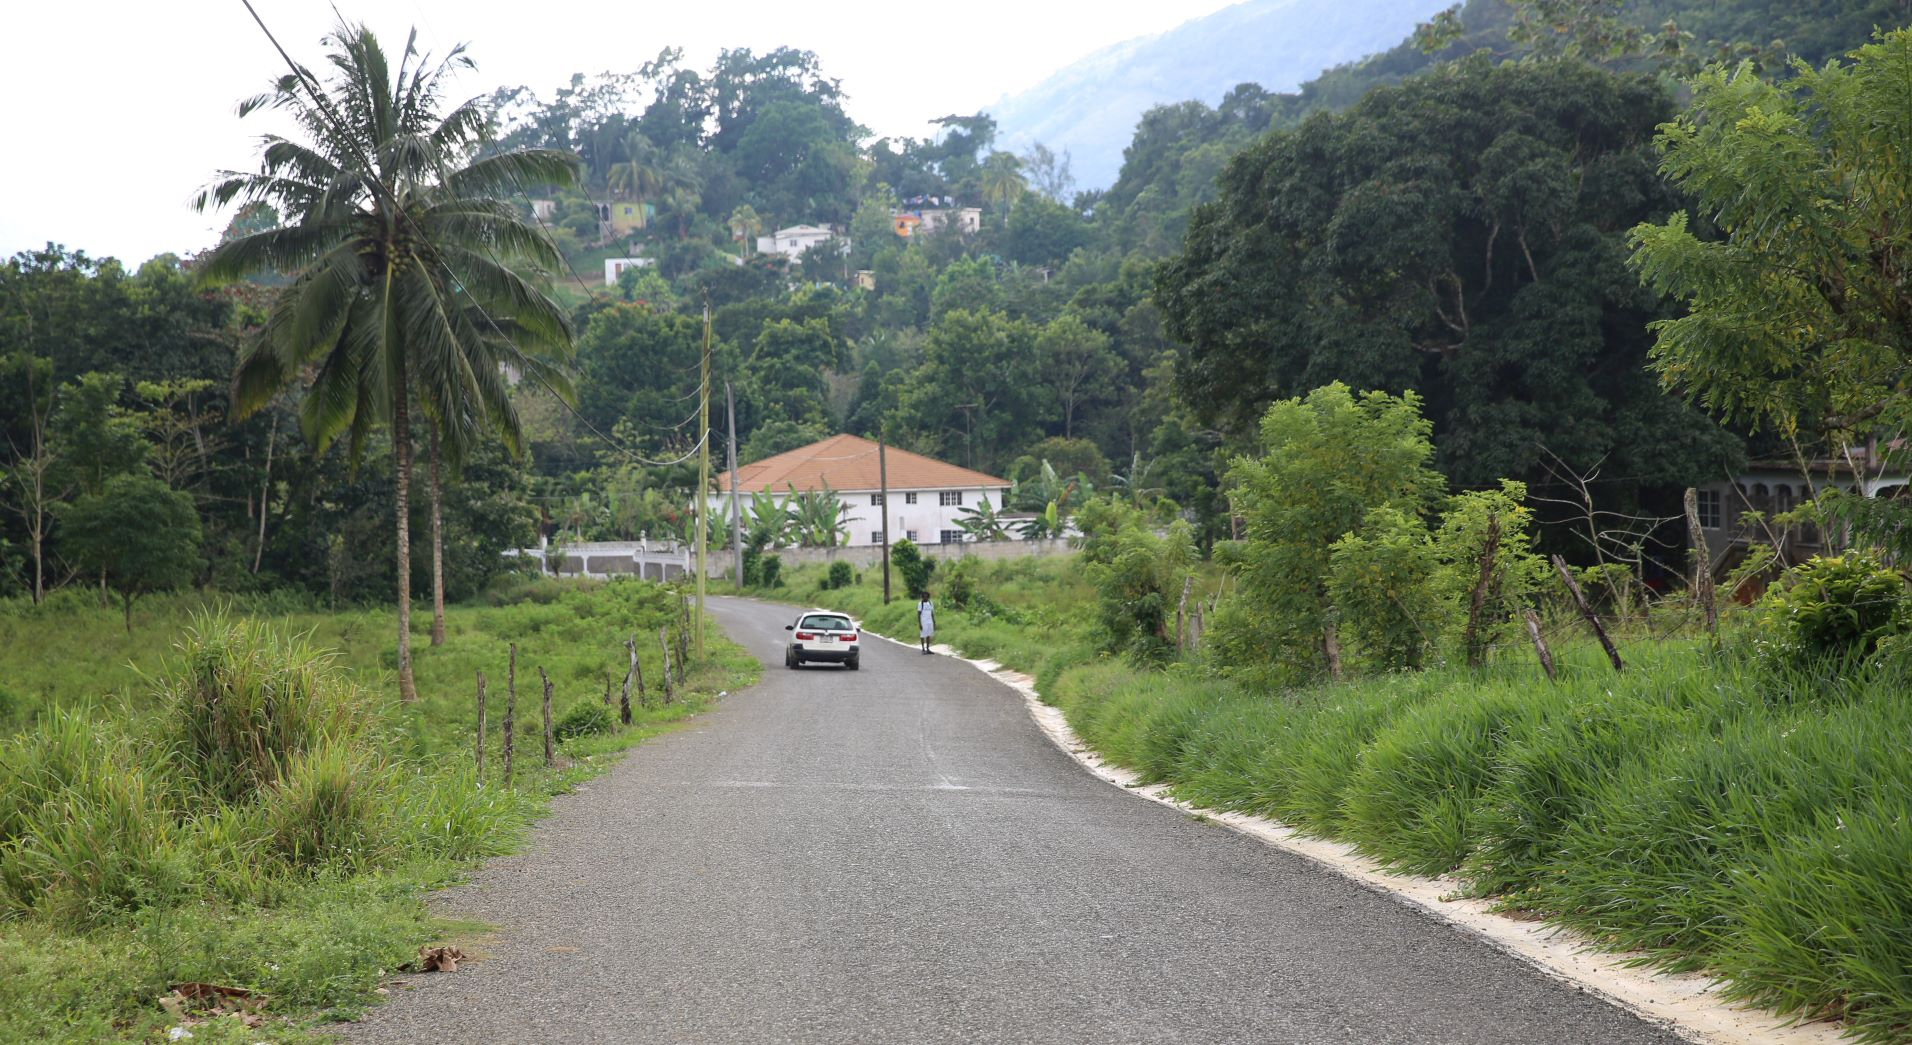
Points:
(1704, 810)
(132, 860)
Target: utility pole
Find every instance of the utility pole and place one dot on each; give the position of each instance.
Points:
(883, 480)
(703, 479)
(736, 510)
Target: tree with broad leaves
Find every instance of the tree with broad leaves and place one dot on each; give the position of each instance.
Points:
(139, 534)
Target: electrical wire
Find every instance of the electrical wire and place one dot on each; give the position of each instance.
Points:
(337, 126)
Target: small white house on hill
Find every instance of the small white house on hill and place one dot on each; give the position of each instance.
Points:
(793, 241)
(926, 496)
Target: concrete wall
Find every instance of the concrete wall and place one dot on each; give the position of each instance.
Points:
(720, 562)
(928, 517)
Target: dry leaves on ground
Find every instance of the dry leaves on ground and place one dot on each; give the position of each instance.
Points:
(195, 1003)
(439, 959)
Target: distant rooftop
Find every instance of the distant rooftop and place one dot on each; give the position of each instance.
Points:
(849, 462)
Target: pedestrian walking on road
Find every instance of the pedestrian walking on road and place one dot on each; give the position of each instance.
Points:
(925, 619)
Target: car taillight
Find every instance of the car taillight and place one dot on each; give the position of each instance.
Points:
(851, 637)
(805, 636)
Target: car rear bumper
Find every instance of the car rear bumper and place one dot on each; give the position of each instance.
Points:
(832, 654)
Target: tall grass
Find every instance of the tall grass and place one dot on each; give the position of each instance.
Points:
(253, 808)
(1706, 810)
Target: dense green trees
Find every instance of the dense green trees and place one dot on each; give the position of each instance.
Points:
(138, 535)
(1460, 235)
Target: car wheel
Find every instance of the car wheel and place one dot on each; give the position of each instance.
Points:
(852, 663)
(791, 660)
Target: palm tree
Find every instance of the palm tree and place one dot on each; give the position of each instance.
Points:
(682, 187)
(746, 224)
(1002, 179)
(404, 296)
(640, 176)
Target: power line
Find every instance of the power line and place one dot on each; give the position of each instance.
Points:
(338, 128)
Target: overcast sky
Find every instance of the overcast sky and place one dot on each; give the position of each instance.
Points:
(114, 112)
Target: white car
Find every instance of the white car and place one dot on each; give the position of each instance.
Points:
(824, 636)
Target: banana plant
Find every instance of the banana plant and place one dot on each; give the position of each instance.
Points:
(820, 518)
(1044, 525)
(768, 520)
(982, 522)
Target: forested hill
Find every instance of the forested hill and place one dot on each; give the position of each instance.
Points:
(1091, 107)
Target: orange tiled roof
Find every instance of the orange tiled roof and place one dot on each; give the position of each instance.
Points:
(848, 462)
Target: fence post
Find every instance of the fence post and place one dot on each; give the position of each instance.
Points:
(511, 709)
(1470, 638)
(546, 679)
(1586, 611)
(607, 688)
(1181, 617)
(624, 701)
(1702, 562)
(664, 643)
(480, 749)
(1540, 642)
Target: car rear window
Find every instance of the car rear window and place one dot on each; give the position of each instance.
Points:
(822, 623)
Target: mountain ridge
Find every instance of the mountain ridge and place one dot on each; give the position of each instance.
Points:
(1090, 107)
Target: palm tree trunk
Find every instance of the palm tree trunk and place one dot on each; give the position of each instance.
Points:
(438, 546)
(402, 450)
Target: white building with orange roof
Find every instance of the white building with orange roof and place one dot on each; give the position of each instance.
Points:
(926, 496)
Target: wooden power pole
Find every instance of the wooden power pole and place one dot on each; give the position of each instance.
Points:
(736, 510)
(703, 483)
(883, 480)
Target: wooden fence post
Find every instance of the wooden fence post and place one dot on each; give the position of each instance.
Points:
(624, 700)
(664, 643)
(546, 679)
(1586, 611)
(1331, 648)
(480, 750)
(1540, 642)
(1181, 617)
(1702, 562)
(1470, 637)
(607, 688)
(511, 709)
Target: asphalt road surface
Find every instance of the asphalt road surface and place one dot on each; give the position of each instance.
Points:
(897, 854)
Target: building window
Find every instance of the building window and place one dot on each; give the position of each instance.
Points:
(910, 535)
(1709, 508)
(909, 498)
(949, 498)
(952, 536)
(876, 500)
(876, 537)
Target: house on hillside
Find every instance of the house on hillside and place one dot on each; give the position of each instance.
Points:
(926, 496)
(618, 218)
(614, 267)
(793, 241)
(912, 220)
(1737, 514)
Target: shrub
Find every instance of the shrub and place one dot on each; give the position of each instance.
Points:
(1381, 582)
(911, 567)
(753, 566)
(585, 718)
(841, 575)
(771, 571)
(332, 805)
(1833, 607)
(246, 699)
(86, 828)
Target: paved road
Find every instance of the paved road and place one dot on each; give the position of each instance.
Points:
(897, 854)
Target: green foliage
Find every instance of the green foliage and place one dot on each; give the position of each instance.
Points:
(586, 718)
(1838, 607)
(1795, 314)
(1460, 234)
(1138, 577)
(1514, 573)
(1325, 463)
(770, 570)
(911, 567)
(136, 533)
(1381, 580)
(841, 575)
